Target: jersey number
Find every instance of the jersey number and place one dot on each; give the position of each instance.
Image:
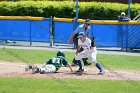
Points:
(56, 60)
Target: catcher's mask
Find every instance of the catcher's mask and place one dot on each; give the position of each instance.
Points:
(60, 53)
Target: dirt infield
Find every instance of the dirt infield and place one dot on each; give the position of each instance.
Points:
(10, 69)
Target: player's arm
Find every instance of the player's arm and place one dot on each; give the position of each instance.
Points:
(78, 50)
(89, 30)
(73, 34)
(47, 62)
(65, 63)
(88, 36)
(71, 38)
(93, 42)
(69, 66)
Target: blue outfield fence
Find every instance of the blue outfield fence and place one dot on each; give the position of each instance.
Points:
(62, 31)
(107, 33)
(40, 30)
(25, 30)
(15, 30)
(133, 36)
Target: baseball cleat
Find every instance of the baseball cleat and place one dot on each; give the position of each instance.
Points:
(101, 73)
(35, 69)
(80, 70)
(28, 67)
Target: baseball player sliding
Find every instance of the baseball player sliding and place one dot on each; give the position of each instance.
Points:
(52, 65)
(89, 51)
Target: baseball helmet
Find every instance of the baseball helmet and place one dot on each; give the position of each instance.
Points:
(81, 34)
(60, 53)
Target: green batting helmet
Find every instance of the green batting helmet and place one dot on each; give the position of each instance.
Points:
(60, 53)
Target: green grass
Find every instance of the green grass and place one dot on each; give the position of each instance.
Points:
(53, 85)
(40, 56)
(32, 56)
(120, 61)
(56, 85)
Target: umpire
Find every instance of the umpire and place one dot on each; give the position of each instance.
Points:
(81, 28)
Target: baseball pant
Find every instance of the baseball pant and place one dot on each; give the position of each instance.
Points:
(49, 68)
(91, 54)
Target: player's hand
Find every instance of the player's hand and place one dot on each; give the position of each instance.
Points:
(71, 70)
(69, 41)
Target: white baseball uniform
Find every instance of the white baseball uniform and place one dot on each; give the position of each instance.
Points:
(88, 50)
(48, 68)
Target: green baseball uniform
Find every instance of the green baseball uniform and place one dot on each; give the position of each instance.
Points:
(57, 62)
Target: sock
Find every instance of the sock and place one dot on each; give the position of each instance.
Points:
(79, 63)
(99, 66)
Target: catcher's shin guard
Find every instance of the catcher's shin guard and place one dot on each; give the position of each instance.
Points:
(74, 62)
(86, 63)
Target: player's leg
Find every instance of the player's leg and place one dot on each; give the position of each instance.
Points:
(49, 68)
(97, 64)
(35, 69)
(78, 58)
(86, 63)
(80, 66)
(75, 41)
(74, 62)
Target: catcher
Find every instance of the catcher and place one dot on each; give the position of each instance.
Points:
(52, 65)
